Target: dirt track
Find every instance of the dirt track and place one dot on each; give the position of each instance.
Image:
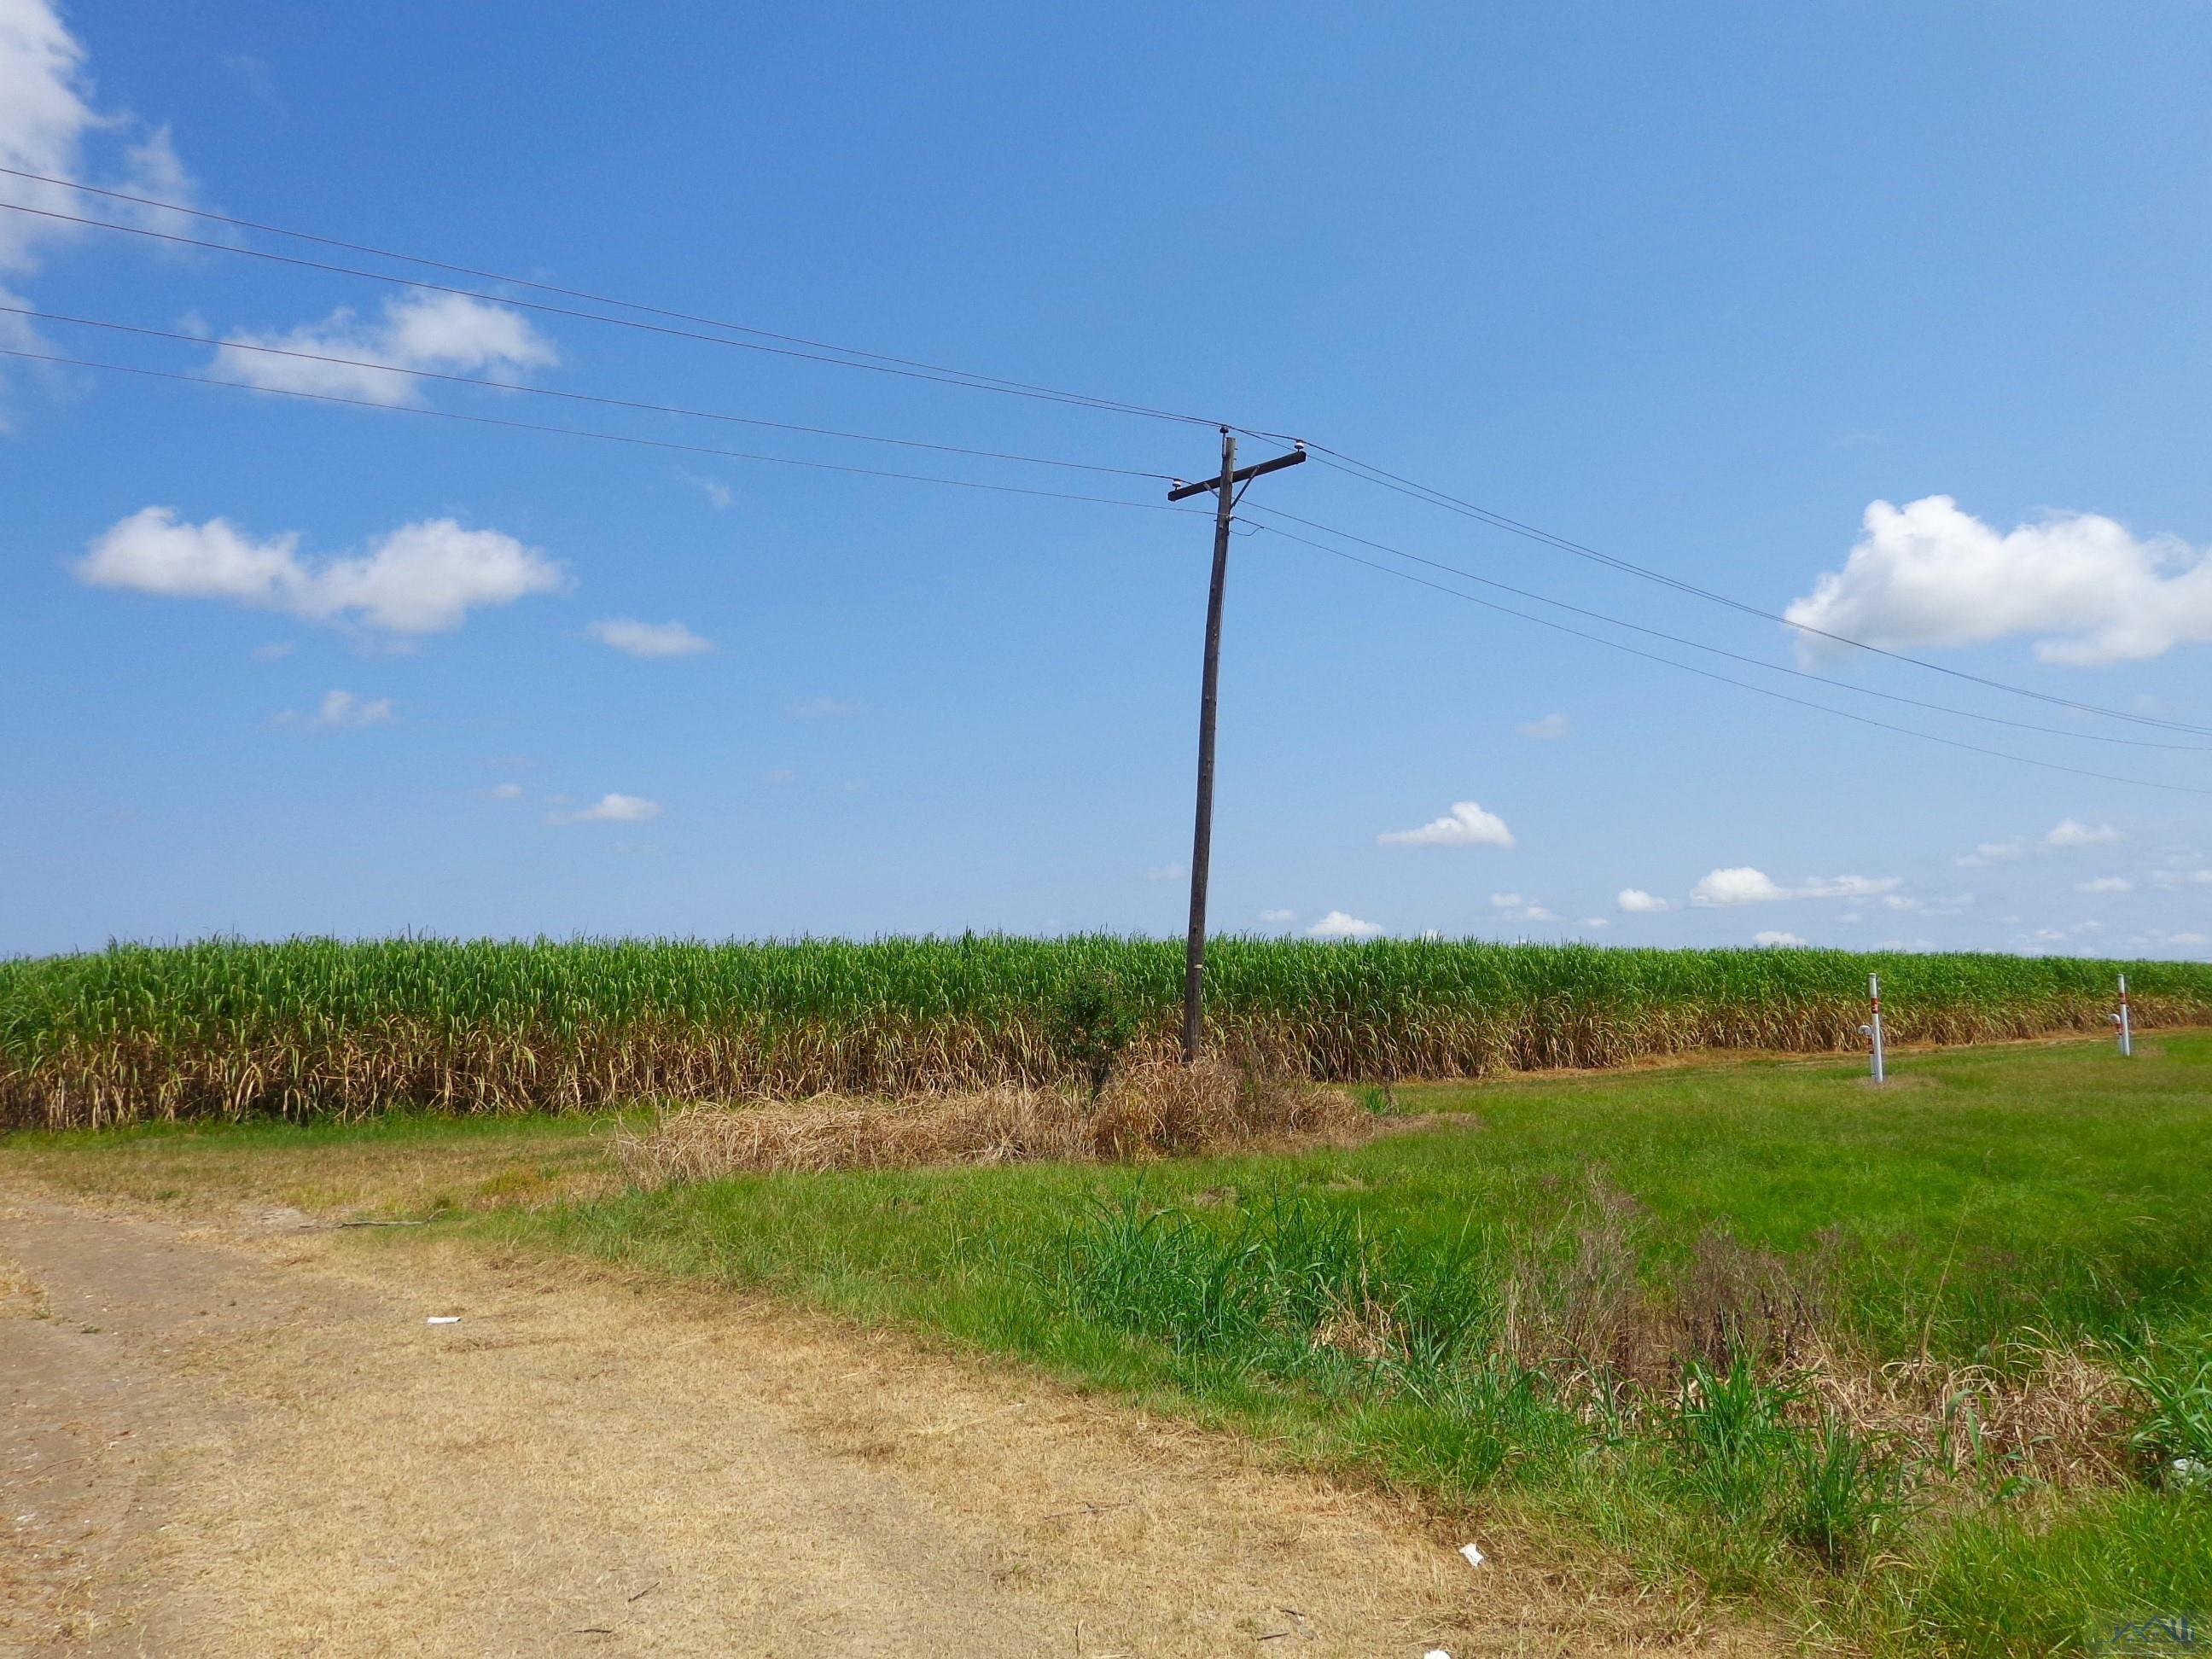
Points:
(245, 1439)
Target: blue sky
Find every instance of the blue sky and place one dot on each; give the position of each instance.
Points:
(1911, 298)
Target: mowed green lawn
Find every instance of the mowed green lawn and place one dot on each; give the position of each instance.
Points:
(1418, 1310)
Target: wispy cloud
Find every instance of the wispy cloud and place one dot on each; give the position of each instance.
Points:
(341, 711)
(2071, 832)
(1167, 872)
(823, 708)
(1743, 885)
(1550, 729)
(2105, 884)
(1279, 918)
(610, 809)
(649, 640)
(440, 332)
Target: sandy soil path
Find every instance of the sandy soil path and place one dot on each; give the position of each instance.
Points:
(245, 1439)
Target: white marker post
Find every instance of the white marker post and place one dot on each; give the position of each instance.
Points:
(2121, 1019)
(1873, 1029)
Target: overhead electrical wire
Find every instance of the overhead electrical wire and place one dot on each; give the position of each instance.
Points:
(1733, 656)
(583, 432)
(1727, 679)
(573, 397)
(953, 378)
(585, 293)
(855, 357)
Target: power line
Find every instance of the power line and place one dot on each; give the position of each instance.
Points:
(573, 397)
(581, 432)
(854, 357)
(1391, 481)
(950, 377)
(576, 293)
(1734, 656)
(1725, 679)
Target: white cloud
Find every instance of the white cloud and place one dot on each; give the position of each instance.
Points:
(610, 809)
(2070, 832)
(1337, 925)
(1596, 922)
(1743, 885)
(1278, 918)
(504, 791)
(421, 578)
(1992, 851)
(1637, 903)
(47, 117)
(450, 332)
(341, 711)
(2105, 884)
(1550, 729)
(1780, 941)
(644, 639)
(1517, 909)
(1927, 573)
(1467, 825)
(1167, 872)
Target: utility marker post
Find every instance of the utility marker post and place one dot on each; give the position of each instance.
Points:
(1873, 1028)
(1201, 846)
(2121, 1019)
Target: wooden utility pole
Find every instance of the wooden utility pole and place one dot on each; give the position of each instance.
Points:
(1202, 845)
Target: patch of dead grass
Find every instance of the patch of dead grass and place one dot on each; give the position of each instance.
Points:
(1151, 1109)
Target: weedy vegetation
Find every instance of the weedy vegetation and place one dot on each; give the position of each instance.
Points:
(310, 1028)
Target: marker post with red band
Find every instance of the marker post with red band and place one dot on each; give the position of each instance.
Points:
(1872, 1029)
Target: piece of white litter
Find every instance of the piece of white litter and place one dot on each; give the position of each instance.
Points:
(1437, 1653)
(443, 1319)
(1474, 1555)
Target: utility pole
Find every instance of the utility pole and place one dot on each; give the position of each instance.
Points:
(1226, 496)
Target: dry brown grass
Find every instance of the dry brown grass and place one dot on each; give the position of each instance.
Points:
(1150, 1109)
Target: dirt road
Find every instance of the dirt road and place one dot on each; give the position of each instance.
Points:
(244, 1437)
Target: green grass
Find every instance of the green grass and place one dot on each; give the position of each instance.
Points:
(311, 1027)
(1404, 1311)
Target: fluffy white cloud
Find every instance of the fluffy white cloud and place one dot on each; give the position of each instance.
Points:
(1278, 918)
(1337, 925)
(610, 809)
(419, 578)
(2105, 884)
(644, 639)
(1467, 825)
(1550, 729)
(1927, 573)
(1743, 885)
(1637, 903)
(1780, 941)
(2071, 832)
(444, 331)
